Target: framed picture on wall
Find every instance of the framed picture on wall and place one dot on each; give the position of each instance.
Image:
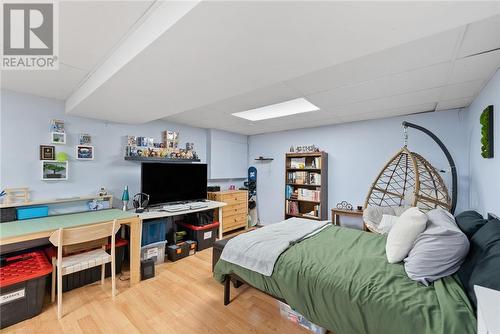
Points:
(47, 152)
(85, 139)
(58, 138)
(84, 152)
(53, 170)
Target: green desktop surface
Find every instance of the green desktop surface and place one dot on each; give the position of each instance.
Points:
(29, 226)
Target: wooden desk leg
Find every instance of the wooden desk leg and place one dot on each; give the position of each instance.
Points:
(220, 223)
(135, 251)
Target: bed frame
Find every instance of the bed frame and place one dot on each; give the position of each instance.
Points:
(237, 282)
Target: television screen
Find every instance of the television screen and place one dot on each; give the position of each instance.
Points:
(174, 182)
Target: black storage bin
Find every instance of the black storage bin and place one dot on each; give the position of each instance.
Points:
(200, 218)
(91, 275)
(181, 250)
(203, 235)
(8, 215)
(23, 280)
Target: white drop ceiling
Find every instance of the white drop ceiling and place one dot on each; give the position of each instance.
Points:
(88, 32)
(354, 60)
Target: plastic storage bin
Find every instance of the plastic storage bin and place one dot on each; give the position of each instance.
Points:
(203, 235)
(7, 215)
(295, 317)
(23, 279)
(200, 218)
(91, 275)
(32, 212)
(181, 250)
(153, 231)
(154, 251)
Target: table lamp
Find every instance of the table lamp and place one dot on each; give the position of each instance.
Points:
(125, 198)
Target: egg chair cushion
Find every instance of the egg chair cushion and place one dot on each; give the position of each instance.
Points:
(372, 216)
(387, 223)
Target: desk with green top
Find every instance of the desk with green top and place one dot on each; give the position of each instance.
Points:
(32, 229)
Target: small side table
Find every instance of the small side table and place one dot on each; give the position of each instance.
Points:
(336, 213)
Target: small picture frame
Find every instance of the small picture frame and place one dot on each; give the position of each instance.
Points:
(57, 125)
(47, 152)
(58, 138)
(53, 170)
(84, 152)
(85, 139)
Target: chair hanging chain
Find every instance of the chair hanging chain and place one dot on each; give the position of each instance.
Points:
(405, 135)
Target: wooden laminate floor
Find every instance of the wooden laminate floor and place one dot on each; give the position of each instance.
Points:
(182, 298)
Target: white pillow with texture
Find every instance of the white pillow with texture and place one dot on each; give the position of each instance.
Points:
(387, 223)
(403, 234)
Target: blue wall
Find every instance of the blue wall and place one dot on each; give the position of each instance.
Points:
(356, 153)
(25, 124)
(484, 173)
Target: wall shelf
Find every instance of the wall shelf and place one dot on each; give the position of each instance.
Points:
(160, 159)
(264, 159)
(57, 201)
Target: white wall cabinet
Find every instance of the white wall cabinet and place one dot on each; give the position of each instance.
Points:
(227, 155)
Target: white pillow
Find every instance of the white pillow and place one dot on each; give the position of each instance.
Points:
(404, 233)
(387, 223)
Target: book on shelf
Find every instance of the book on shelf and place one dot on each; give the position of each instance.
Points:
(292, 208)
(288, 191)
(302, 177)
(308, 194)
(302, 163)
(316, 163)
(299, 163)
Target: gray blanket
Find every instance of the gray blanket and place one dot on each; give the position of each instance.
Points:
(259, 250)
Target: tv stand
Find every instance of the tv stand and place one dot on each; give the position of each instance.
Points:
(159, 212)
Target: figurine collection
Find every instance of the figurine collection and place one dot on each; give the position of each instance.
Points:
(168, 148)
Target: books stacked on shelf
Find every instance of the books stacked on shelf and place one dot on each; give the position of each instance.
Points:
(292, 208)
(316, 163)
(306, 185)
(299, 163)
(315, 179)
(308, 194)
(305, 163)
(309, 178)
(290, 193)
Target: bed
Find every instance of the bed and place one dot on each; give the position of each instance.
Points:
(340, 279)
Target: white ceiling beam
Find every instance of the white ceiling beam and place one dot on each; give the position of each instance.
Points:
(160, 17)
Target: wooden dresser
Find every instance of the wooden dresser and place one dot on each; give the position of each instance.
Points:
(235, 213)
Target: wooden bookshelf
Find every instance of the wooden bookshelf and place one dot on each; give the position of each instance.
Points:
(306, 185)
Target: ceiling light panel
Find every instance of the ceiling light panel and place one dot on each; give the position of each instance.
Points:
(287, 108)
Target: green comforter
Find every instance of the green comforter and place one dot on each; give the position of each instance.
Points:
(340, 279)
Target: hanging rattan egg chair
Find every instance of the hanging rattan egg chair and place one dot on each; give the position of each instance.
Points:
(408, 179)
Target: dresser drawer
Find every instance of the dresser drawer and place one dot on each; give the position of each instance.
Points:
(233, 222)
(236, 209)
(234, 198)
